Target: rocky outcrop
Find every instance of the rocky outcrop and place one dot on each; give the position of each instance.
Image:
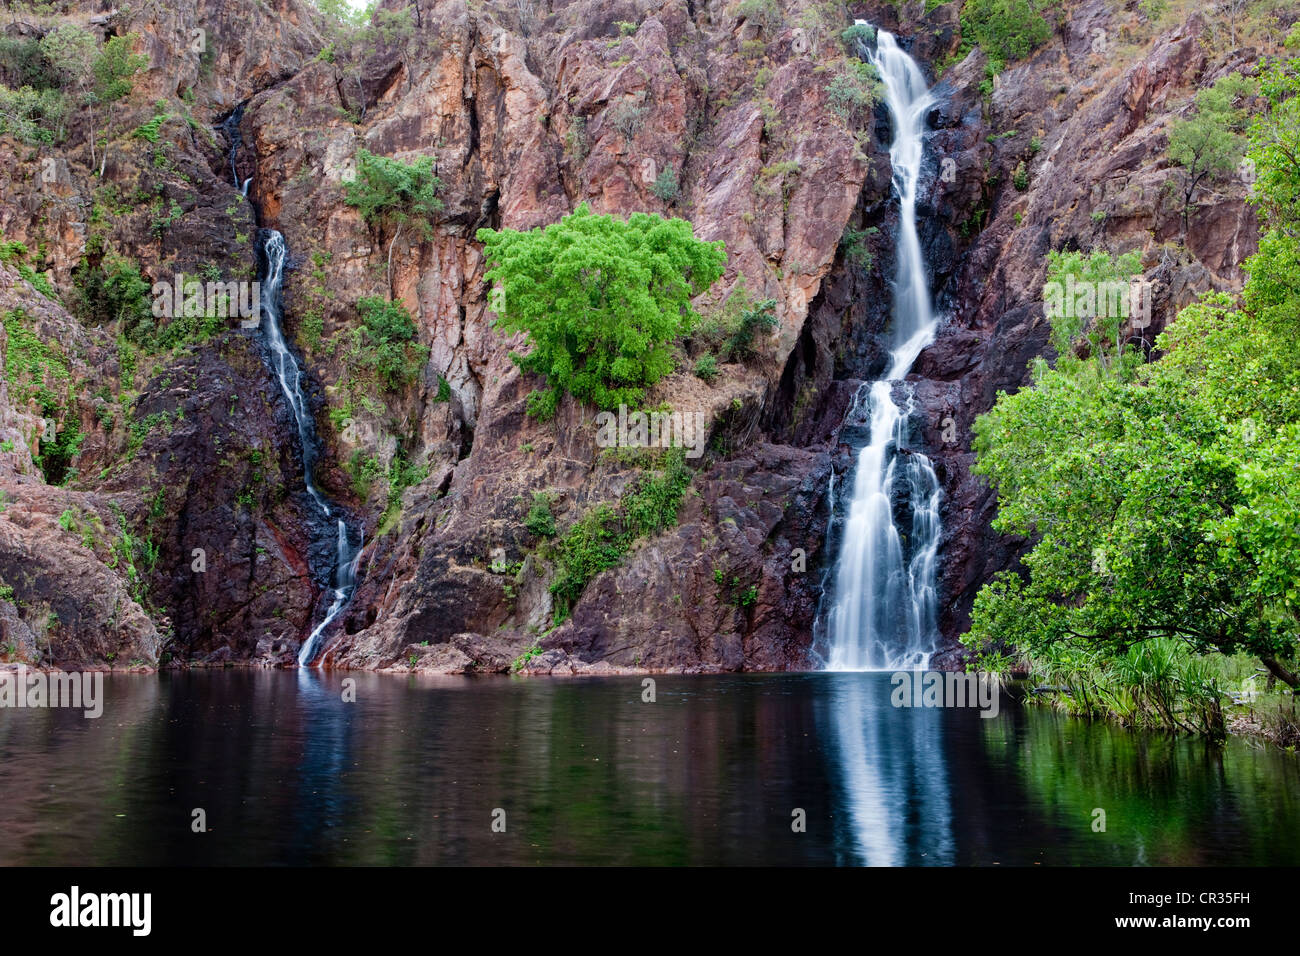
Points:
(526, 112)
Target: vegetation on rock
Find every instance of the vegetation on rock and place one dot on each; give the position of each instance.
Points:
(601, 299)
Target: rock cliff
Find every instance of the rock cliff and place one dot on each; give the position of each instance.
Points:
(187, 537)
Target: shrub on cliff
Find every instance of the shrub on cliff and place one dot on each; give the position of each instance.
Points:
(1206, 144)
(599, 539)
(1005, 29)
(735, 329)
(601, 299)
(113, 290)
(393, 196)
(385, 342)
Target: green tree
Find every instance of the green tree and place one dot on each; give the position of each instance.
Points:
(385, 342)
(71, 52)
(392, 196)
(1208, 144)
(1164, 498)
(114, 70)
(1094, 314)
(601, 299)
(1275, 144)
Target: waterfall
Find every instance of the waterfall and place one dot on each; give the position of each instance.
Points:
(289, 374)
(274, 254)
(885, 613)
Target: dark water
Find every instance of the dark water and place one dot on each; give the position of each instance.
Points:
(411, 773)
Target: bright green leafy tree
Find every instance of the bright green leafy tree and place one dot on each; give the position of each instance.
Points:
(1165, 498)
(1208, 144)
(602, 300)
(114, 70)
(1005, 30)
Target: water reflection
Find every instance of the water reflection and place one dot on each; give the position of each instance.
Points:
(890, 774)
(287, 772)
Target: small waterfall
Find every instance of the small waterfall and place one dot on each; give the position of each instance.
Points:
(885, 615)
(273, 255)
(289, 374)
(230, 126)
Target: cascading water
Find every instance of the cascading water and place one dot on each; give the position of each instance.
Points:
(885, 611)
(289, 374)
(273, 256)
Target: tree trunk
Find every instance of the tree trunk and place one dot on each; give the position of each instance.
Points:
(390, 261)
(1279, 671)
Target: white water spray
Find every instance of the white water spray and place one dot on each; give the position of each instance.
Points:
(885, 613)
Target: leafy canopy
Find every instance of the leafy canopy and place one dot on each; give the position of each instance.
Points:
(1005, 30)
(1207, 145)
(1165, 497)
(385, 343)
(601, 299)
(391, 194)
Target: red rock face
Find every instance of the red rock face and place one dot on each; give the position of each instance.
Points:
(526, 115)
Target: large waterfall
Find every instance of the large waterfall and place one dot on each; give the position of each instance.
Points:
(885, 611)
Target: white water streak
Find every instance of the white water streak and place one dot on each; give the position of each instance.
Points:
(885, 615)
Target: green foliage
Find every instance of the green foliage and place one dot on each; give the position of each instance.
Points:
(1208, 145)
(364, 470)
(13, 253)
(1164, 498)
(33, 116)
(601, 299)
(115, 68)
(706, 367)
(853, 244)
(1275, 146)
(126, 551)
(385, 343)
(1158, 684)
(666, 187)
(575, 140)
(1005, 30)
(23, 63)
(141, 428)
(523, 659)
(627, 118)
(113, 290)
(33, 369)
(1020, 177)
(600, 538)
(401, 475)
(1100, 307)
(38, 372)
(733, 330)
(391, 194)
(539, 521)
(859, 32)
(150, 131)
(854, 90)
